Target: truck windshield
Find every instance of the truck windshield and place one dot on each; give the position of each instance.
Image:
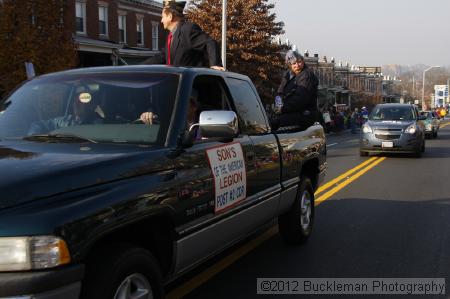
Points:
(100, 107)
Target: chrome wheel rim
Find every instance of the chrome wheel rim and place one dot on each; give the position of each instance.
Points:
(135, 286)
(305, 211)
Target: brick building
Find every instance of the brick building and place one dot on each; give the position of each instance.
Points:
(116, 32)
(345, 87)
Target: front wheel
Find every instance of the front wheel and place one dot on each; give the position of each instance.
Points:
(123, 272)
(296, 225)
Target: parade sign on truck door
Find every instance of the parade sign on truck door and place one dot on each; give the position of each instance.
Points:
(230, 176)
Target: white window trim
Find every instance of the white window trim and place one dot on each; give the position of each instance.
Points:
(140, 19)
(105, 6)
(83, 11)
(121, 14)
(155, 46)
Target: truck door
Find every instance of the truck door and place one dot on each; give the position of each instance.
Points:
(254, 123)
(217, 181)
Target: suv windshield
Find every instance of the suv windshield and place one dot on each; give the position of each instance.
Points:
(392, 113)
(101, 107)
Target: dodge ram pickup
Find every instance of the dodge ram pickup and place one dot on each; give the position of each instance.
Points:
(115, 181)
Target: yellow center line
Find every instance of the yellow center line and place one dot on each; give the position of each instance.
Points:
(224, 263)
(336, 189)
(344, 175)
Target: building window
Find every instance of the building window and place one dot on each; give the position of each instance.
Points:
(122, 29)
(140, 30)
(80, 10)
(103, 20)
(155, 37)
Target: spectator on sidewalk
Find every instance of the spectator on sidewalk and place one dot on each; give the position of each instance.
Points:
(354, 121)
(364, 114)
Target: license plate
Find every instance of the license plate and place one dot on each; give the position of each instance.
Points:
(387, 144)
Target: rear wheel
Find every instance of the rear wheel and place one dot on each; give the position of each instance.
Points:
(123, 272)
(435, 134)
(296, 225)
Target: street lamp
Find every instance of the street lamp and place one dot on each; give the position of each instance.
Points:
(423, 84)
(224, 33)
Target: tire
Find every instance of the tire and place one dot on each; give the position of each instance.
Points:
(435, 134)
(296, 226)
(363, 153)
(110, 273)
(422, 149)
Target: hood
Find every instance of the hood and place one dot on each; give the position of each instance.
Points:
(33, 170)
(389, 124)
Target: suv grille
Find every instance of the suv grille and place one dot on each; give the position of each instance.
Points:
(388, 133)
(387, 137)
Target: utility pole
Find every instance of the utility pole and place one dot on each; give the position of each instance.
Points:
(224, 33)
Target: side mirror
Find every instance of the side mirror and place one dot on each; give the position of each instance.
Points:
(222, 124)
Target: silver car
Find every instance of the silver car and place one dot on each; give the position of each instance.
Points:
(393, 128)
(431, 123)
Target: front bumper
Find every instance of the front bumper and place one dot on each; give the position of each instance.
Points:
(49, 284)
(402, 143)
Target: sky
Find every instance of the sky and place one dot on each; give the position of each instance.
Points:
(370, 32)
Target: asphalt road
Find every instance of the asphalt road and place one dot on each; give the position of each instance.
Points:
(390, 220)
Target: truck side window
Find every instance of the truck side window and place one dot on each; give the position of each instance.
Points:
(211, 93)
(249, 110)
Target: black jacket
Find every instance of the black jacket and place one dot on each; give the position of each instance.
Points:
(299, 96)
(190, 47)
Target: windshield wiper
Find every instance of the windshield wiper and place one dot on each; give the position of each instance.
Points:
(58, 137)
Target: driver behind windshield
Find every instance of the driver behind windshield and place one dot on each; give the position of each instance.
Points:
(85, 110)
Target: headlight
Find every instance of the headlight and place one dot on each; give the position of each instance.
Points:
(411, 129)
(366, 129)
(30, 253)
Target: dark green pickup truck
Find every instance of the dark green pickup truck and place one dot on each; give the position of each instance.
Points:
(115, 181)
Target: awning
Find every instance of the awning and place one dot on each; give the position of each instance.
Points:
(122, 53)
(132, 56)
(98, 46)
(131, 52)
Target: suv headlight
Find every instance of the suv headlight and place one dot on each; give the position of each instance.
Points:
(366, 129)
(411, 129)
(30, 253)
